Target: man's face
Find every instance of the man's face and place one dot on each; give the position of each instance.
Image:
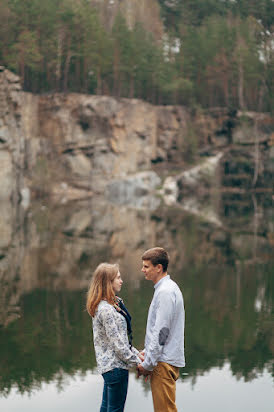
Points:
(151, 272)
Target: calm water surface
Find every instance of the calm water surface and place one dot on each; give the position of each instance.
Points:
(222, 258)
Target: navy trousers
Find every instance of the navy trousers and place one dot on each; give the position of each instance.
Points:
(115, 390)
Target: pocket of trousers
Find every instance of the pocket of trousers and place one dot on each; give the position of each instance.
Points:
(166, 371)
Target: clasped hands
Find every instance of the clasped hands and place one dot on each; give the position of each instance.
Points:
(139, 368)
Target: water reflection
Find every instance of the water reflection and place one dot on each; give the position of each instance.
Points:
(225, 271)
(215, 391)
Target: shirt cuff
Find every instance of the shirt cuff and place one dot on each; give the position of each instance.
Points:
(134, 350)
(146, 366)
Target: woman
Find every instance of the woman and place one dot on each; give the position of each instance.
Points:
(112, 335)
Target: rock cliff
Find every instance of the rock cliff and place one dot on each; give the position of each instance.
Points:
(70, 146)
(12, 137)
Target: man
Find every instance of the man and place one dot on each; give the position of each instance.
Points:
(164, 341)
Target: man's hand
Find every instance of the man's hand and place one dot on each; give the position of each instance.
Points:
(142, 371)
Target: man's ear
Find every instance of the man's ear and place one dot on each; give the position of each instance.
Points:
(159, 267)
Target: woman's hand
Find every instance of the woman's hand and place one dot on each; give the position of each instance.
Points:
(141, 356)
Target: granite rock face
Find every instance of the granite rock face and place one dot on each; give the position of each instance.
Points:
(72, 145)
(11, 136)
(95, 138)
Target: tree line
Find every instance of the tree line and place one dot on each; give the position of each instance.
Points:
(212, 52)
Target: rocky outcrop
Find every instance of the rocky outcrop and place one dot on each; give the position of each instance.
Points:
(88, 140)
(70, 146)
(11, 136)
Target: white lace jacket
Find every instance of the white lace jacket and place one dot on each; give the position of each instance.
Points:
(111, 341)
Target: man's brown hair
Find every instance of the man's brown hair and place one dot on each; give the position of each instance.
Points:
(157, 256)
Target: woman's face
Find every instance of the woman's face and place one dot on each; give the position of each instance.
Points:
(117, 283)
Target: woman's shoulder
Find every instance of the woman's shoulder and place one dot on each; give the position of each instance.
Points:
(104, 307)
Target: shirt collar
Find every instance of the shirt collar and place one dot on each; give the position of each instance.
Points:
(161, 281)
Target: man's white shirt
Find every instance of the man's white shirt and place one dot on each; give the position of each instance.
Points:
(164, 340)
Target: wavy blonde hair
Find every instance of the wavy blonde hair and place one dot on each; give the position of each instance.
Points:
(101, 286)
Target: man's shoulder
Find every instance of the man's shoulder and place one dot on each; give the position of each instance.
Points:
(169, 285)
(169, 289)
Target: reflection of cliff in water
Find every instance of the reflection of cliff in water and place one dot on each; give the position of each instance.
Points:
(49, 254)
(56, 247)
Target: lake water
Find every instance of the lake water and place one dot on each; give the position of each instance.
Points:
(222, 258)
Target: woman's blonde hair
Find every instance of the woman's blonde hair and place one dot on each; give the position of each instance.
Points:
(101, 286)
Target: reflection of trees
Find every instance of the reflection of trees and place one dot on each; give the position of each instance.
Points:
(220, 328)
(9, 298)
(53, 337)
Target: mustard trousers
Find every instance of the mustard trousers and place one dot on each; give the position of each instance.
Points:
(163, 387)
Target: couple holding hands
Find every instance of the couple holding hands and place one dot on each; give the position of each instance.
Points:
(164, 342)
